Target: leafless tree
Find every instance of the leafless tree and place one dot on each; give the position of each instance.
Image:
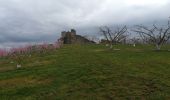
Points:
(157, 35)
(114, 36)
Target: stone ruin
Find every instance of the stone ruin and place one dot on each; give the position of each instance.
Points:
(71, 37)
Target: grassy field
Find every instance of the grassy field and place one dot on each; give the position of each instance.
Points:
(88, 72)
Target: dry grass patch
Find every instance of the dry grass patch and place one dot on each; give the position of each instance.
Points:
(38, 63)
(7, 68)
(23, 81)
(99, 50)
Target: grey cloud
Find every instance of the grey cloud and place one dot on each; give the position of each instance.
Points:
(23, 21)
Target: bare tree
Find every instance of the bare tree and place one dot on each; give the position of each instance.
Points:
(157, 35)
(114, 36)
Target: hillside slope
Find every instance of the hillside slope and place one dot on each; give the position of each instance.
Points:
(88, 72)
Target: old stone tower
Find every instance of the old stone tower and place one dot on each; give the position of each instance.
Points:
(68, 37)
(71, 37)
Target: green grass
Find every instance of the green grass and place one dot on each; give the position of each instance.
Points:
(88, 72)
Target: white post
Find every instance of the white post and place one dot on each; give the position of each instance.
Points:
(18, 66)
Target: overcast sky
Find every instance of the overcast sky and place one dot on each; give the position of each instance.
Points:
(34, 21)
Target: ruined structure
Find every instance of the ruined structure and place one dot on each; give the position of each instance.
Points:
(71, 37)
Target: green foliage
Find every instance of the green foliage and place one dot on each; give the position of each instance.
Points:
(88, 72)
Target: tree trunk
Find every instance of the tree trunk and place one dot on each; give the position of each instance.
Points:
(158, 47)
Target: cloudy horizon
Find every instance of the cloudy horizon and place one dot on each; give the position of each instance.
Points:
(35, 21)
